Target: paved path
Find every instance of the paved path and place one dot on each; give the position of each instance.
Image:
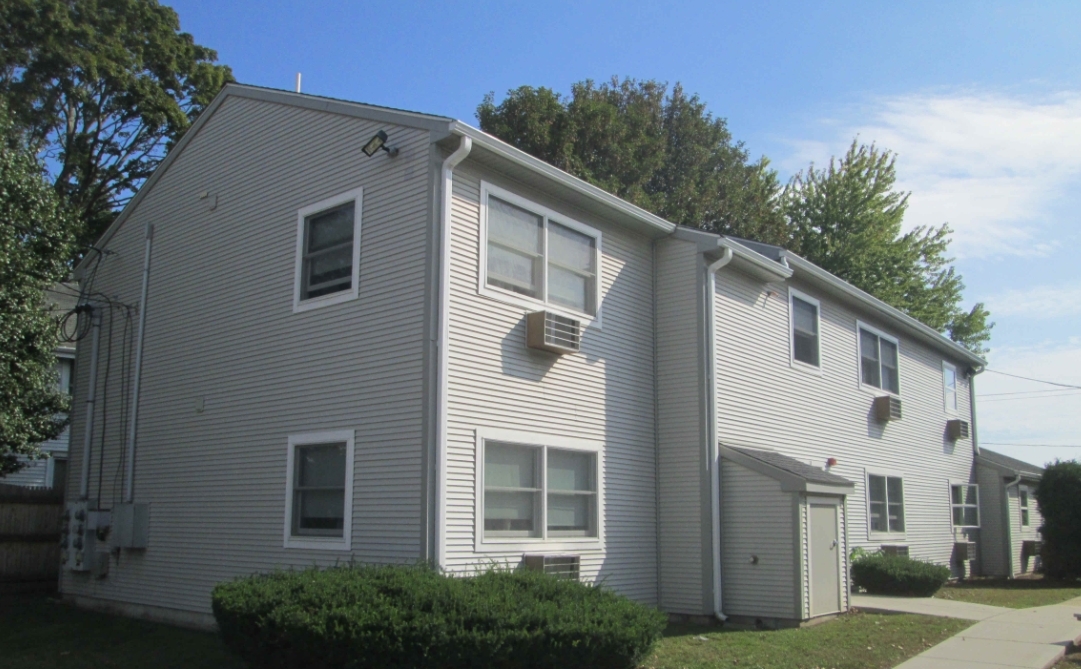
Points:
(1008, 639)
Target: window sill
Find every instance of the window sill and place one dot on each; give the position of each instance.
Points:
(532, 305)
(316, 543)
(887, 537)
(300, 306)
(877, 392)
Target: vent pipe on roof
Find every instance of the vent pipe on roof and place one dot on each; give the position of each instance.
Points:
(298, 82)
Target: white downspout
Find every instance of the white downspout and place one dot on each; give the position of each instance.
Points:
(1009, 524)
(711, 409)
(91, 393)
(442, 339)
(129, 473)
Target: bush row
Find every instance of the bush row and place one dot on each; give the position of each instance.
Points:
(882, 574)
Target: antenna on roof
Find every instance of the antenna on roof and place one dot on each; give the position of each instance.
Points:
(298, 82)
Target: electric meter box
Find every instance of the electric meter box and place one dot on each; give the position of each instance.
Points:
(131, 525)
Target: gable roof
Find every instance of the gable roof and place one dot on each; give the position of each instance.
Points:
(792, 473)
(1005, 462)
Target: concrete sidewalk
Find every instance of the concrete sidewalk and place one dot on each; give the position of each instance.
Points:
(1008, 639)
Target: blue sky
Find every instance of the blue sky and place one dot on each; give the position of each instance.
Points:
(980, 100)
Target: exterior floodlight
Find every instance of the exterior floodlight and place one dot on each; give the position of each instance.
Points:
(379, 141)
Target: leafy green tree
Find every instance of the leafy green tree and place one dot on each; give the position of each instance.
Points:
(101, 89)
(660, 149)
(35, 245)
(847, 218)
(1059, 497)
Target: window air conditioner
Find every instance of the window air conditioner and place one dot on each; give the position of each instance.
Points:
(887, 408)
(551, 332)
(563, 566)
(957, 429)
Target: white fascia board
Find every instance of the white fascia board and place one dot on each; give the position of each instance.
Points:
(914, 327)
(506, 151)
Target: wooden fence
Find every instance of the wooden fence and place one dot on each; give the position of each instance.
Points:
(29, 538)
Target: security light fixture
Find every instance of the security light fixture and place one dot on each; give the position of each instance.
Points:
(379, 141)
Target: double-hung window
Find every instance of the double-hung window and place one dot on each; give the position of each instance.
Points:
(804, 315)
(539, 255)
(328, 251)
(64, 373)
(886, 500)
(878, 360)
(319, 490)
(949, 386)
(965, 504)
(539, 492)
(1023, 492)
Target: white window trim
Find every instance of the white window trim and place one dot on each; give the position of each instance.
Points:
(515, 544)
(794, 294)
(954, 506)
(344, 542)
(874, 535)
(860, 325)
(357, 196)
(528, 303)
(956, 389)
(1027, 507)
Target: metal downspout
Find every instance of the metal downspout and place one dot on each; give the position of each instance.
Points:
(712, 432)
(129, 473)
(442, 339)
(91, 395)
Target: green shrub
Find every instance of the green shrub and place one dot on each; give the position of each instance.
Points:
(882, 574)
(1058, 497)
(410, 616)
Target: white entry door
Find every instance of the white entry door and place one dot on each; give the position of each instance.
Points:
(825, 560)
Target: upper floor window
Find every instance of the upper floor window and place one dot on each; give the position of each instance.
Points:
(949, 385)
(886, 499)
(1024, 505)
(64, 369)
(965, 504)
(804, 314)
(535, 253)
(328, 251)
(878, 360)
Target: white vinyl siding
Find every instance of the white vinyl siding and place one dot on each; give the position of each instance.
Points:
(965, 504)
(879, 360)
(534, 253)
(763, 402)
(221, 334)
(602, 395)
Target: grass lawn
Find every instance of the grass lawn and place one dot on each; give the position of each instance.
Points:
(854, 641)
(40, 633)
(1020, 593)
(1071, 661)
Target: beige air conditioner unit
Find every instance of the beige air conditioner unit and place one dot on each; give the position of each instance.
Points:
(957, 429)
(551, 332)
(563, 566)
(887, 408)
(895, 550)
(964, 550)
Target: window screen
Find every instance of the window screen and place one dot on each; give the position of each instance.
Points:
(878, 362)
(515, 248)
(328, 252)
(804, 331)
(319, 490)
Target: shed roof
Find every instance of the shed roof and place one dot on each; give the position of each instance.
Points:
(1006, 462)
(792, 473)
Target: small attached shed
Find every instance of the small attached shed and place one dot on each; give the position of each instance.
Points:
(784, 548)
(1010, 520)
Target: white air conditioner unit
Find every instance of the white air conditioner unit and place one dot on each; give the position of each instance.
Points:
(894, 550)
(957, 429)
(887, 408)
(551, 332)
(563, 566)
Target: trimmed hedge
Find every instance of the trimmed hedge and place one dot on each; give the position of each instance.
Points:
(882, 574)
(383, 617)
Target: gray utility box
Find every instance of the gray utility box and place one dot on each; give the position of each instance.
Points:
(131, 525)
(82, 530)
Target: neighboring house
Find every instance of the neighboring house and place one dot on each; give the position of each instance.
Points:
(453, 352)
(1010, 519)
(51, 471)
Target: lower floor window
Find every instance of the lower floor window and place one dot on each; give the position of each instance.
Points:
(964, 501)
(539, 491)
(887, 503)
(320, 488)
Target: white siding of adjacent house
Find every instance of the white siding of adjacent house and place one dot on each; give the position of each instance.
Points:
(765, 402)
(684, 495)
(759, 520)
(230, 371)
(1020, 533)
(603, 394)
(993, 561)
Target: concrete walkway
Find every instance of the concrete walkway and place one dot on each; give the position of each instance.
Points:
(1005, 639)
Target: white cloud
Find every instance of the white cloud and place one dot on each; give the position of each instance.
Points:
(992, 166)
(1040, 418)
(1037, 302)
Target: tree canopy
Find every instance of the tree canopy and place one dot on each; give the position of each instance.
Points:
(101, 88)
(663, 151)
(659, 149)
(35, 245)
(847, 219)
